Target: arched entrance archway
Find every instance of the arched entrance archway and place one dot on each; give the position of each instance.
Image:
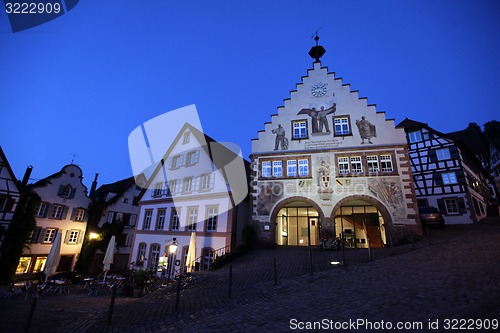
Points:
(359, 219)
(298, 222)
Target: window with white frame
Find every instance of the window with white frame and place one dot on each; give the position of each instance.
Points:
(141, 253)
(192, 158)
(154, 257)
(188, 184)
(205, 182)
(177, 161)
(212, 218)
(341, 126)
(415, 136)
(66, 191)
(449, 178)
(303, 168)
(451, 206)
(372, 162)
(50, 235)
(192, 219)
(172, 186)
(160, 220)
(299, 129)
(110, 217)
(266, 169)
(57, 211)
(186, 137)
(174, 220)
(291, 166)
(386, 163)
(40, 209)
(356, 166)
(73, 236)
(277, 168)
(148, 215)
(158, 190)
(443, 154)
(343, 165)
(79, 214)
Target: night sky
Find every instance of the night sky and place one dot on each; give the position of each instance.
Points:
(82, 82)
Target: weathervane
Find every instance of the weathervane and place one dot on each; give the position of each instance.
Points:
(73, 159)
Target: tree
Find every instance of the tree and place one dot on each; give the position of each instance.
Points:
(492, 130)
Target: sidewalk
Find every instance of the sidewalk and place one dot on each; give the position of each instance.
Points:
(455, 277)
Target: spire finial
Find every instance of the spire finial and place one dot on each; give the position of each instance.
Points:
(317, 51)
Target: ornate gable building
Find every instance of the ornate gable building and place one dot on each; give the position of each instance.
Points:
(329, 164)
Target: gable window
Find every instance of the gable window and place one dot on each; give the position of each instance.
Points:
(372, 162)
(174, 220)
(299, 129)
(158, 190)
(343, 165)
(186, 138)
(386, 163)
(356, 164)
(66, 191)
(266, 169)
(79, 214)
(192, 157)
(212, 219)
(415, 136)
(341, 126)
(49, 236)
(451, 206)
(57, 211)
(160, 222)
(40, 209)
(148, 215)
(443, 154)
(192, 218)
(303, 168)
(277, 168)
(291, 168)
(449, 178)
(73, 236)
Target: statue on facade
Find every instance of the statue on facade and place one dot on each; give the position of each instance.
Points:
(318, 118)
(280, 140)
(366, 130)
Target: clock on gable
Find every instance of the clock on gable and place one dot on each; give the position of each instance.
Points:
(318, 90)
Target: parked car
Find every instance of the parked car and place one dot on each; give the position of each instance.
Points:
(431, 216)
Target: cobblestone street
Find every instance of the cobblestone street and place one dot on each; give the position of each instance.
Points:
(454, 275)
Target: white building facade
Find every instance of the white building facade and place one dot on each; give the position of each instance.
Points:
(9, 195)
(329, 165)
(63, 209)
(193, 198)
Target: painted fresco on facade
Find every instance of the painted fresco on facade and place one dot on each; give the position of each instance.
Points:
(366, 130)
(269, 194)
(323, 178)
(319, 121)
(388, 190)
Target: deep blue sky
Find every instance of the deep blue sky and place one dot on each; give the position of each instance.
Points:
(81, 83)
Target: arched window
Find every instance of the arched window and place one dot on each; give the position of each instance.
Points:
(154, 257)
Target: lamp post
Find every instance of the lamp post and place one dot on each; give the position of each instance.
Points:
(172, 249)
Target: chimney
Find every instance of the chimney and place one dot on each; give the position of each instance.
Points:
(94, 185)
(27, 175)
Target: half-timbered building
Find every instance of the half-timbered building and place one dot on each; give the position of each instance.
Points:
(328, 164)
(446, 174)
(9, 195)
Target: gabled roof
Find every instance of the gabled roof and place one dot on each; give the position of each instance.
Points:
(118, 188)
(210, 145)
(411, 124)
(472, 139)
(9, 169)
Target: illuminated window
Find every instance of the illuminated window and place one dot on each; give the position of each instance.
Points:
(443, 154)
(291, 168)
(141, 253)
(372, 162)
(343, 165)
(39, 264)
(415, 136)
(299, 129)
(277, 168)
(266, 169)
(386, 163)
(341, 126)
(24, 265)
(303, 168)
(356, 166)
(449, 178)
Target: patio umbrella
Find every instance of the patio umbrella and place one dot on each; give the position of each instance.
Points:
(108, 258)
(53, 257)
(191, 255)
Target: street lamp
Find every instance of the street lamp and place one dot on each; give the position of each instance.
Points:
(172, 249)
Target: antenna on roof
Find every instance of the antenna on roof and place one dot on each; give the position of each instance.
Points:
(73, 159)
